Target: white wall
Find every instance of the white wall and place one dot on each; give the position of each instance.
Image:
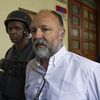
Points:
(6, 6)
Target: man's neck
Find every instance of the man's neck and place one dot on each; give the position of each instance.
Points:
(44, 63)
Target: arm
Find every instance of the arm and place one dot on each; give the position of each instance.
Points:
(93, 86)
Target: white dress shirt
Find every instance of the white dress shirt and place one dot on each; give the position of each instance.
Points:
(68, 77)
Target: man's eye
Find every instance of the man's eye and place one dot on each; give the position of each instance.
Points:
(45, 29)
(17, 28)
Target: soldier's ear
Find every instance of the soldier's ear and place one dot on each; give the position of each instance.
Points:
(26, 33)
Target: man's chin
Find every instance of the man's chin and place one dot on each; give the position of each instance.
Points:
(13, 40)
(43, 54)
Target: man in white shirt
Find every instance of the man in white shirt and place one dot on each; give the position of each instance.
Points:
(55, 73)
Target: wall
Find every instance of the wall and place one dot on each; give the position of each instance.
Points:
(6, 6)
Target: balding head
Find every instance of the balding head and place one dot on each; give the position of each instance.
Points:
(47, 33)
(50, 13)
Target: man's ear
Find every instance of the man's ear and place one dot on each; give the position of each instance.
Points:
(62, 32)
(25, 33)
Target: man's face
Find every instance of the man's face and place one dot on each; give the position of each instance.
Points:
(46, 35)
(15, 31)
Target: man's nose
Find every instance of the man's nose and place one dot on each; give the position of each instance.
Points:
(39, 33)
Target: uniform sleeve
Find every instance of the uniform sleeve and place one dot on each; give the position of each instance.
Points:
(93, 85)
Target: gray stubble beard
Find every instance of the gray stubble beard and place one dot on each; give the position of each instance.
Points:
(43, 53)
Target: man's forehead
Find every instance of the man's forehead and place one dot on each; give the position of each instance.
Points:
(44, 17)
(44, 14)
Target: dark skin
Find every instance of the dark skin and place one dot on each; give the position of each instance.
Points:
(16, 32)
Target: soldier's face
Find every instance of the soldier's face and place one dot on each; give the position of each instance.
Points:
(15, 31)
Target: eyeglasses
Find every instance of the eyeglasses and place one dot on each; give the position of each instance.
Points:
(40, 89)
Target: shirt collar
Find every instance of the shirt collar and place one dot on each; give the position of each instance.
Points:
(53, 60)
(57, 56)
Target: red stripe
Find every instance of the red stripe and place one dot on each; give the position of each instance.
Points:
(61, 9)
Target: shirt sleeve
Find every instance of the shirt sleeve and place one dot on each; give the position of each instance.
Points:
(93, 85)
(27, 81)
